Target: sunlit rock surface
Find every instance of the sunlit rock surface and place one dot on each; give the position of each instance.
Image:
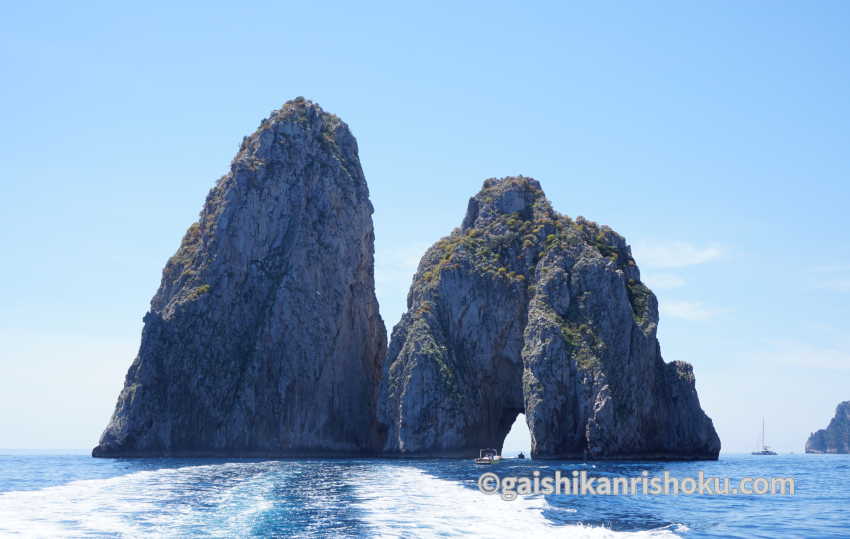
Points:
(524, 309)
(264, 337)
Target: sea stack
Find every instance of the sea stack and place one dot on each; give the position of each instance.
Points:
(836, 437)
(264, 338)
(523, 309)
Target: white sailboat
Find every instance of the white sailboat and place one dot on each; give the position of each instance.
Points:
(765, 450)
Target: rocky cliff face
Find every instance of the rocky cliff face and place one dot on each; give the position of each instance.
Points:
(836, 437)
(264, 337)
(522, 309)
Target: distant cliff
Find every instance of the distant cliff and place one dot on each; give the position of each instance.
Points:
(523, 309)
(836, 437)
(264, 337)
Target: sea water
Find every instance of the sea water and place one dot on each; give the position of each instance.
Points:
(76, 495)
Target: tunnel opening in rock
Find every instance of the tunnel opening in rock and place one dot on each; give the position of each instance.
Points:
(525, 310)
(518, 438)
(503, 401)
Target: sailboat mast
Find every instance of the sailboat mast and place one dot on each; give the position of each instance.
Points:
(762, 431)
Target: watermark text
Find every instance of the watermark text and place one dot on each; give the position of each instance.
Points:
(579, 483)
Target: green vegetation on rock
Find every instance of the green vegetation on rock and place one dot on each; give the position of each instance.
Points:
(639, 298)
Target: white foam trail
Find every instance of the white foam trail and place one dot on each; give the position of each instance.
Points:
(230, 499)
(159, 502)
(408, 502)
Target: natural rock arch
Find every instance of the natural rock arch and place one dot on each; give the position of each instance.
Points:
(525, 310)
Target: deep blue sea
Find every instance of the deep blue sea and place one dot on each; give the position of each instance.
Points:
(76, 495)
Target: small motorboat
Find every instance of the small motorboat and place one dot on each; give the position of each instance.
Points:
(488, 456)
(521, 455)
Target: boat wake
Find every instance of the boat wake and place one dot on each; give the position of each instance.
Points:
(297, 499)
(178, 501)
(409, 502)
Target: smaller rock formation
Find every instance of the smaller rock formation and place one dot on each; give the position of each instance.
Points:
(525, 310)
(836, 437)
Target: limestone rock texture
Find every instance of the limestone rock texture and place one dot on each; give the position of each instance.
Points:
(836, 437)
(264, 338)
(523, 309)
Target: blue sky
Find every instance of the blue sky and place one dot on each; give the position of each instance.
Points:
(714, 137)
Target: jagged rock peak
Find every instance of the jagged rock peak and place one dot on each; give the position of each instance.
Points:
(516, 208)
(302, 117)
(264, 337)
(836, 437)
(502, 196)
(518, 202)
(523, 309)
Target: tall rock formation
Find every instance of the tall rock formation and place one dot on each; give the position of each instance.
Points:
(264, 337)
(522, 309)
(836, 437)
